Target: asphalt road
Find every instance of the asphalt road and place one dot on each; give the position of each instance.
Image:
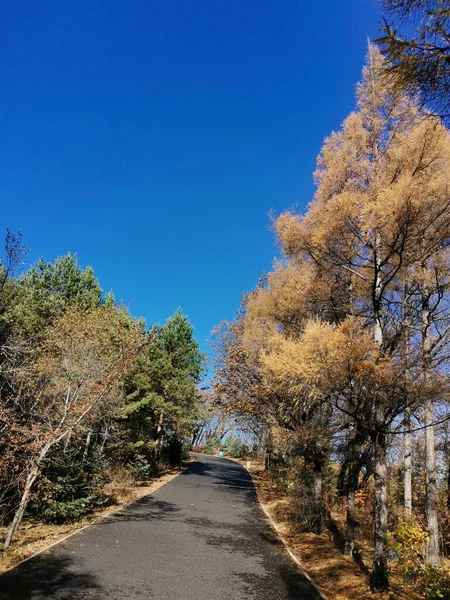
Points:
(202, 536)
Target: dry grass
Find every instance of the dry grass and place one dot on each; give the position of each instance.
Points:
(34, 535)
(337, 575)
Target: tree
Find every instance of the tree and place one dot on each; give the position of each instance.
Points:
(47, 288)
(11, 357)
(9, 263)
(282, 301)
(68, 357)
(416, 41)
(212, 424)
(162, 399)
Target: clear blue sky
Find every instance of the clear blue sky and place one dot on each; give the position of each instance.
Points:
(153, 137)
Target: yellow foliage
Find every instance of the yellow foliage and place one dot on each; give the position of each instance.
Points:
(323, 358)
(83, 357)
(379, 177)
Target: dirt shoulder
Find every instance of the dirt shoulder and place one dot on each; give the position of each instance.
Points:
(35, 536)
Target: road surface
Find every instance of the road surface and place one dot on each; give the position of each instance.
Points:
(202, 536)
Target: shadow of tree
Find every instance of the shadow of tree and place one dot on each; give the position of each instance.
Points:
(58, 576)
(339, 540)
(295, 586)
(225, 473)
(251, 537)
(48, 576)
(145, 509)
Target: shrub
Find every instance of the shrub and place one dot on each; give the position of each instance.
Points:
(408, 541)
(52, 511)
(211, 446)
(434, 583)
(236, 447)
(141, 468)
(70, 486)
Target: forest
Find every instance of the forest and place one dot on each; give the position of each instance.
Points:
(87, 393)
(340, 354)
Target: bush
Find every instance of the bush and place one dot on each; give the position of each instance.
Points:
(70, 486)
(434, 583)
(408, 540)
(211, 446)
(141, 468)
(66, 512)
(236, 447)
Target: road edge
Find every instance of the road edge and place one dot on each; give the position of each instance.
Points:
(280, 536)
(159, 485)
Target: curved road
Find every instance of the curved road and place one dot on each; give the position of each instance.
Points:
(202, 536)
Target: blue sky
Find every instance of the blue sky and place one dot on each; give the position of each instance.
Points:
(152, 138)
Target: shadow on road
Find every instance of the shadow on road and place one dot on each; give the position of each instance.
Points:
(229, 526)
(145, 509)
(295, 586)
(48, 576)
(229, 475)
(248, 535)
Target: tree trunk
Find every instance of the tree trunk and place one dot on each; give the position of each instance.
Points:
(407, 465)
(160, 428)
(352, 486)
(317, 492)
(350, 524)
(88, 443)
(431, 510)
(197, 436)
(350, 481)
(432, 553)
(407, 455)
(15, 523)
(379, 576)
(268, 453)
(67, 440)
(31, 478)
(159, 436)
(448, 483)
(104, 438)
